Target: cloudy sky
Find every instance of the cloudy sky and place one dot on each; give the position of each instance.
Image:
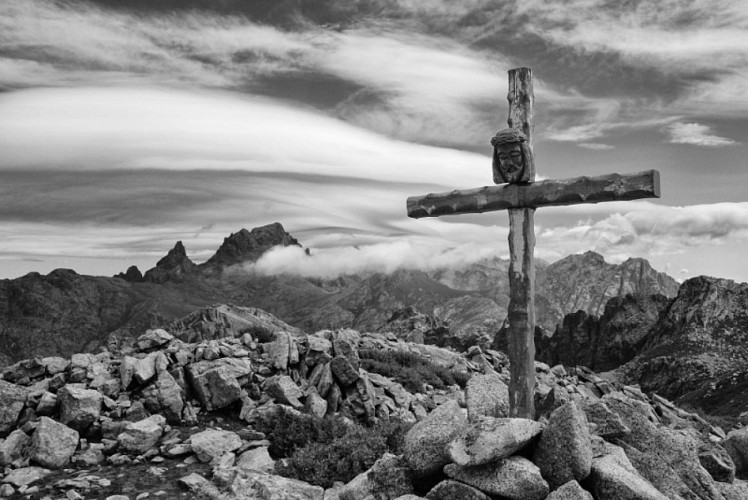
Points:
(128, 125)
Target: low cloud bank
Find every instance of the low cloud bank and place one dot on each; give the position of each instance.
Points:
(384, 257)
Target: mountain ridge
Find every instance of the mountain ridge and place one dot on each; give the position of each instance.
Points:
(67, 312)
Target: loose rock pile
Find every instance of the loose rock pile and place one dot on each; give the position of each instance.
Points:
(141, 408)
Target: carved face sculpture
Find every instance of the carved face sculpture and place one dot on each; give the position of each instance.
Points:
(511, 161)
(512, 157)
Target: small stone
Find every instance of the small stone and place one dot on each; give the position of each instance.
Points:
(165, 396)
(14, 399)
(387, 478)
(26, 475)
(570, 491)
(283, 389)
(139, 437)
(425, 442)
(344, 370)
(486, 395)
(450, 489)
(609, 480)
(154, 338)
(90, 457)
(314, 403)
(559, 371)
(564, 451)
(256, 459)
(736, 445)
(12, 448)
(55, 364)
(608, 423)
(79, 408)
(216, 382)
(47, 404)
(6, 490)
(212, 444)
(326, 380)
(199, 486)
(52, 444)
(718, 464)
(263, 486)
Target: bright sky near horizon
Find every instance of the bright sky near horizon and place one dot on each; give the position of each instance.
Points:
(126, 125)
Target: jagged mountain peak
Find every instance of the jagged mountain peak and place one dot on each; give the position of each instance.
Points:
(175, 265)
(246, 245)
(178, 252)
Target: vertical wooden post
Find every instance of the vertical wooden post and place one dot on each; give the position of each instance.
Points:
(521, 313)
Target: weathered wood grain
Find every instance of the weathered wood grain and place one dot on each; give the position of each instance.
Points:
(521, 312)
(521, 97)
(611, 187)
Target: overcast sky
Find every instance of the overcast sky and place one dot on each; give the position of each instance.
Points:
(125, 127)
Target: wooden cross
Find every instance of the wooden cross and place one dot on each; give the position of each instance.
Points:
(514, 172)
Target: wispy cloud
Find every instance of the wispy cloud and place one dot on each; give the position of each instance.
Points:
(650, 230)
(596, 146)
(699, 46)
(414, 86)
(696, 134)
(141, 128)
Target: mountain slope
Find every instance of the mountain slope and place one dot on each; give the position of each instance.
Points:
(701, 338)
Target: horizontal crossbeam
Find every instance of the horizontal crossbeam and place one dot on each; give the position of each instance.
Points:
(611, 187)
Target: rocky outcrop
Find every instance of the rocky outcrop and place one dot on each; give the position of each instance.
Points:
(697, 351)
(414, 326)
(248, 246)
(605, 342)
(229, 321)
(472, 321)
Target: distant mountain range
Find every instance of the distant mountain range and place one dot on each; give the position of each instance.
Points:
(63, 312)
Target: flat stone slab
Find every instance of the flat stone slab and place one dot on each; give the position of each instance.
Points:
(212, 444)
(489, 439)
(257, 459)
(262, 486)
(515, 478)
(26, 475)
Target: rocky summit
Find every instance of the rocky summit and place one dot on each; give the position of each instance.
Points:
(233, 403)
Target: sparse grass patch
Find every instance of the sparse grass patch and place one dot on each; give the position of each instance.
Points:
(410, 370)
(321, 451)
